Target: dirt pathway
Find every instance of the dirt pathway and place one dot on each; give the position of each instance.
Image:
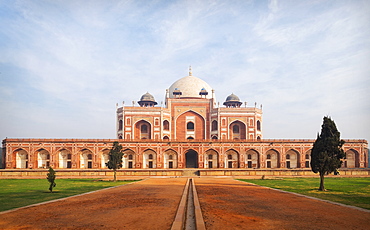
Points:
(152, 204)
(230, 204)
(148, 204)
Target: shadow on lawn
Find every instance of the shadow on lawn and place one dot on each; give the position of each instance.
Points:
(50, 192)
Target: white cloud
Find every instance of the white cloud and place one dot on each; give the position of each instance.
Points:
(273, 6)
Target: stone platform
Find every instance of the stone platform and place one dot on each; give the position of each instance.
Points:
(144, 173)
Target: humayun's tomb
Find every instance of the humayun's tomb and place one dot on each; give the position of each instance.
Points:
(191, 130)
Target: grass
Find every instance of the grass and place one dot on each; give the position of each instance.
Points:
(15, 193)
(353, 191)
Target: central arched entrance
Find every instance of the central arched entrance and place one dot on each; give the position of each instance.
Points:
(191, 158)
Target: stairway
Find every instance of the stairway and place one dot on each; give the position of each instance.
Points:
(190, 172)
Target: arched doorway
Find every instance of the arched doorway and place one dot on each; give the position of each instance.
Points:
(292, 159)
(43, 158)
(352, 159)
(128, 159)
(143, 130)
(149, 159)
(86, 159)
(252, 159)
(65, 159)
(189, 124)
(211, 159)
(104, 158)
(272, 159)
(237, 130)
(307, 159)
(21, 159)
(170, 159)
(191, 158)
(232, 159)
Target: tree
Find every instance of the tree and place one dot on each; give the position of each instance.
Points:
(115, 158)
(327, 152)
(51, 178)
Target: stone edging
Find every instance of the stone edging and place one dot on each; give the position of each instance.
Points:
(198, 211)
(179, 220)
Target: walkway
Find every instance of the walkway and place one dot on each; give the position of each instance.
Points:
(231, 204)
(152, 204)
(148, 204)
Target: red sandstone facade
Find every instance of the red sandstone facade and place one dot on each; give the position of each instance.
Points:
(93, 153)
(190, 131)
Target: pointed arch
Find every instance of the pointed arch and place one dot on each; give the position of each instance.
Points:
(21, 157)
(43, 158)
(64, 158)
(190, 124)
(166, 125)
(307, 159)
(272, 159)
(352, 159)
(214, 126)
(149, 158)
(120, 125)
(191, 158)
(211, 158)
(252, 158)
(86, 158)
(237, 130)
(128, 159)
(258, 125)
(104, 157)
(143, 130)
(232, 158)
(292, 159)
(170, 159)
(190, 111)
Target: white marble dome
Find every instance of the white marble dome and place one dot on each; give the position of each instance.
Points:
(190, 86)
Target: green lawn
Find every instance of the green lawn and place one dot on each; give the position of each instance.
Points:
(15, 193)
(346, 190)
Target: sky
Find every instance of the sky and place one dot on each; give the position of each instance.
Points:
(65, 64)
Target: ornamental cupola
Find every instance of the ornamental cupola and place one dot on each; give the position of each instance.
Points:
(203, 92)
(177, 93)
(232, 101)
(147, 100)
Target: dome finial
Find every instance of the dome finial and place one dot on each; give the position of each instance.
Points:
(190, 72)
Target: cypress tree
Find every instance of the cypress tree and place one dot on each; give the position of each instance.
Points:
(327, 152)
(51, 178)
(115, 158)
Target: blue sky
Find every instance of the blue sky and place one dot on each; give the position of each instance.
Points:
(65, 64)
